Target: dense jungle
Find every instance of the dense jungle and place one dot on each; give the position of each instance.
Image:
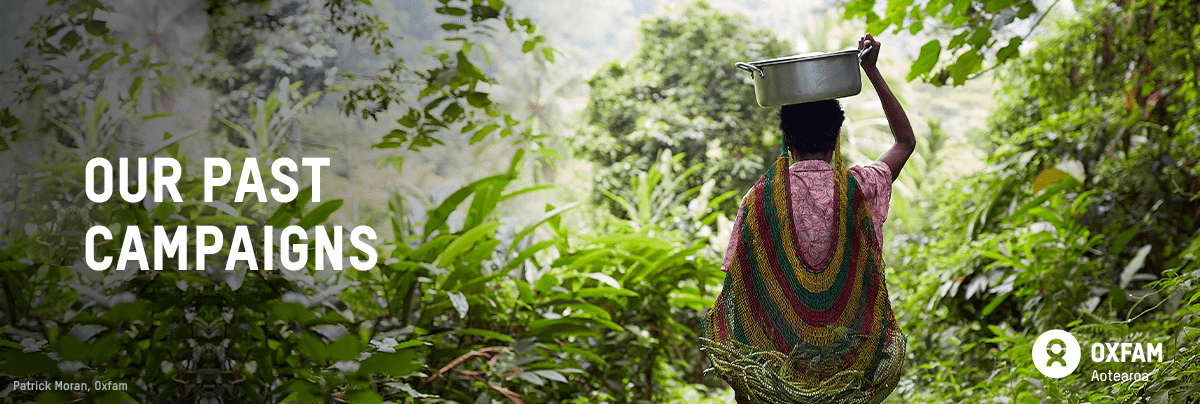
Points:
(553, 193)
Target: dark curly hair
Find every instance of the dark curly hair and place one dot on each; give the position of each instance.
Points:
(811, 127)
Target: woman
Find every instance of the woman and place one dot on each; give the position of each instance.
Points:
(804, 315)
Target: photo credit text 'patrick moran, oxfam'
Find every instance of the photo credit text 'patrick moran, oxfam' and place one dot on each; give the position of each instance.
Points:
(58, 385)
(1056, 354)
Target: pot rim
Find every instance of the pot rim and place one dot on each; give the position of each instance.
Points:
(806, 56)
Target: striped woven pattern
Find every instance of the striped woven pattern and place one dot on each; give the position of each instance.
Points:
(787, 330)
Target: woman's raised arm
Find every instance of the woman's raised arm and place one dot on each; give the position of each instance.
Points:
(906, 142)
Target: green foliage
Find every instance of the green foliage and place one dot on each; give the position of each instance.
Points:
(461, 308)
(271, 119)
(1084, 221)
(657, 195)
(172, 335)
(252, 45)
(1133, 140)
(182, 334)
(510, 312)
(981, 31)
(446, 98)
(692, 102)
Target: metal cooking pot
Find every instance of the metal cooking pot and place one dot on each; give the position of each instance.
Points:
(806, 78)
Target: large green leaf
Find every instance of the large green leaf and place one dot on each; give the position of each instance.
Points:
(395, 364)
(561, 327)
(466, 241)
(345, 348)
(71, 348)
(927, 59)
(25, 364)
(486, 334)
(438, 216)
(320, 214)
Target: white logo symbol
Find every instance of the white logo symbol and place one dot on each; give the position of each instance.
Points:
(1056, 353)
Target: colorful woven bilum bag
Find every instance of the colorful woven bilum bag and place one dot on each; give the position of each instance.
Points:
(786, 331)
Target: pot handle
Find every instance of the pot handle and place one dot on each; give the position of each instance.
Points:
(864, 52)
(749, 67)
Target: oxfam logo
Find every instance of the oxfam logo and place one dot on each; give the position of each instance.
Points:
(1056, 353)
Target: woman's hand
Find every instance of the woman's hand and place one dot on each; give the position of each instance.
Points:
(868, 60)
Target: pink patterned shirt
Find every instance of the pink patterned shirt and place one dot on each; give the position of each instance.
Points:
(812, 204)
